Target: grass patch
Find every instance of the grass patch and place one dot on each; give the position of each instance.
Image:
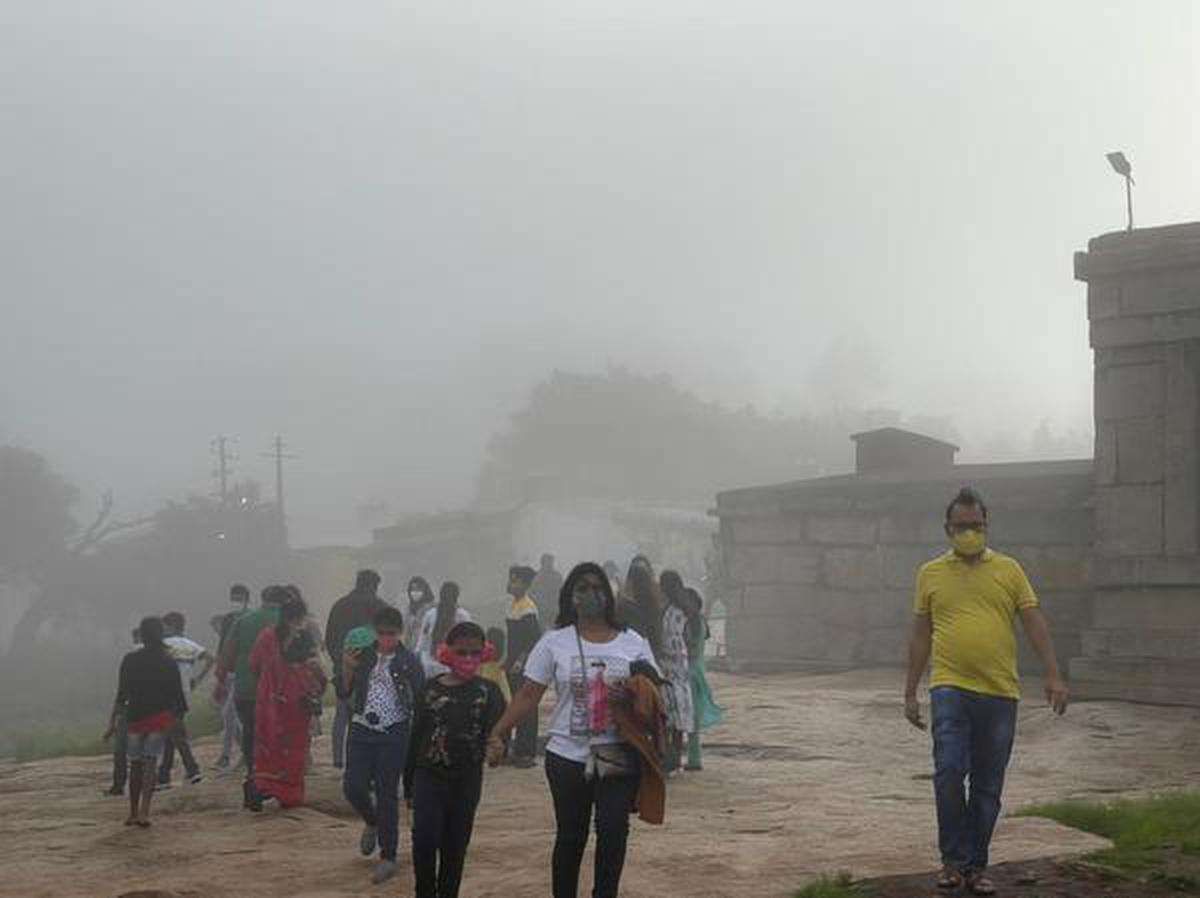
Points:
(839, 886)
(1152, 837)
(44, 741)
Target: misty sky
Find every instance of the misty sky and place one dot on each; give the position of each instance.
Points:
(370, 227)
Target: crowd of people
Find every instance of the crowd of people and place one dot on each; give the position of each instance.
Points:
(420, 710)
(429, 706)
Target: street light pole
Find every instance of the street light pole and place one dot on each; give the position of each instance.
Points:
(1122, 167)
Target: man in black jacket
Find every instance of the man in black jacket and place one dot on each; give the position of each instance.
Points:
(355, 609)
(523, 631)
(379, 685)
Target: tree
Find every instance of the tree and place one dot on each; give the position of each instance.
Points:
(35, 511)
(630, 436)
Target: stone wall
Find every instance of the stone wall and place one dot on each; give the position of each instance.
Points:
(1144, 310)
(820, 573)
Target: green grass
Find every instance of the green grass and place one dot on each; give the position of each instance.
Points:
(83, 740)
(1147, 834)
(839, 886)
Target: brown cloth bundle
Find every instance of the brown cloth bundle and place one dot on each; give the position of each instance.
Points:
(641, 720)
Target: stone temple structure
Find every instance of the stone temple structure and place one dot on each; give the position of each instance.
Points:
(819, 573)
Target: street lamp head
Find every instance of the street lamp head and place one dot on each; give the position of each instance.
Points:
(1120, 164)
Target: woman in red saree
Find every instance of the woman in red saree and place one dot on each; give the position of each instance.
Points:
(290, 683)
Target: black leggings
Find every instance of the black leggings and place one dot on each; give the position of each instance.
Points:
(443, 817)
(574, 797)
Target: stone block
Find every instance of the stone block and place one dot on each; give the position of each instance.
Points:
(843, 529)
(842, 644)
(1129, 520)
(922, 528)
(900, 564)
(1159, 292)
(1139, 450)
(888, 609)
(767, 600)
(1106, 453)
(1122, 679)
(855, 569)
(1181, 516)
(1147, 608)
(1129, 391)
(1122, 572)
(770, 530)
(1129, 355)
(1066, 611)
(1054, 568)
(1142, 643)
(843, 608)
(1073, 526)
(1103, 300)
(888, 646)
(750, 564)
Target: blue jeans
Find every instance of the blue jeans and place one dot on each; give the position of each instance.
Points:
(972, 736)
(374, 763)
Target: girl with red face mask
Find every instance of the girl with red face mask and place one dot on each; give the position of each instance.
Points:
(444, 776)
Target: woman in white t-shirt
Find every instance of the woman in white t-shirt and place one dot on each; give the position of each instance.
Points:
(588, 659)
(436, 624)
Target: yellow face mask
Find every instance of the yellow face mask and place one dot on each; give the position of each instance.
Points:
(968, 543)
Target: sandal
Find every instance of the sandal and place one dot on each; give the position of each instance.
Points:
(978, 884)
(949, 879)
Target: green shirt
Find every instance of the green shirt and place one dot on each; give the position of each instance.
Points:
(245, 634)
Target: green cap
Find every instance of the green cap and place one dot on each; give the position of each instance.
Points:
(359, 638)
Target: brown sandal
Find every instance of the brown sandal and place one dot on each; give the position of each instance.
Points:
(949, 879)
(978, 884)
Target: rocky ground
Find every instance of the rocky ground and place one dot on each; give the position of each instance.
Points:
(810, 774)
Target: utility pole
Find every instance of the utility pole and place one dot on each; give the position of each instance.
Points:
(224, 469)
(279, 455)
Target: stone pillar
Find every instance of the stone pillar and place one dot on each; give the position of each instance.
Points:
(1144, 314)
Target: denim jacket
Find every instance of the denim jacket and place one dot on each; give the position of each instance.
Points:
(407, 676)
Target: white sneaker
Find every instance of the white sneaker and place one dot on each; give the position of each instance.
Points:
(383, 871)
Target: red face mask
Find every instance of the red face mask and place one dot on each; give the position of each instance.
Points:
(465, 667)
(388, 644)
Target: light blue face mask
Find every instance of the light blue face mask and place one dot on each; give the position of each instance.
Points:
(589, 603)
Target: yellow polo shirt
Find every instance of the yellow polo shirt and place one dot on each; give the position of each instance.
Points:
(972, 607)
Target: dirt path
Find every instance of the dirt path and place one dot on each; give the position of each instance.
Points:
(809, 775)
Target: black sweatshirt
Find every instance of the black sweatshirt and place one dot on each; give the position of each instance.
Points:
(451, 729)
(149, 684)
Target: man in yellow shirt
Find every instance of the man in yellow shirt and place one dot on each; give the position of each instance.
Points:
(965, 606)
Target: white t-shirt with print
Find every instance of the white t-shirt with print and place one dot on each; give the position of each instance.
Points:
(425, 646)
(185, 653)
(582, 712)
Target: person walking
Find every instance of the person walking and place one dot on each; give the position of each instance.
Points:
(522, 632)
(444, 774)
(234, 670)
(120, 735)
(589, 658)
(187, 654)
(641, 607)
(290, 683)
(965, 606)
(546, 586)
(436, 624)
(355, 609)
(708, 712)
(380, 681)
(674, 662)
(231, 727)
(150, 691)
(420, 600)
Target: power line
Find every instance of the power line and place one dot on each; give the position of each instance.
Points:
(279, 455)
(224, 469)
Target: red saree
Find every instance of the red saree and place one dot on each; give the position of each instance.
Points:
(281, 734)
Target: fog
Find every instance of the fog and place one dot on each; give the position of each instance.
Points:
(371, 228)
